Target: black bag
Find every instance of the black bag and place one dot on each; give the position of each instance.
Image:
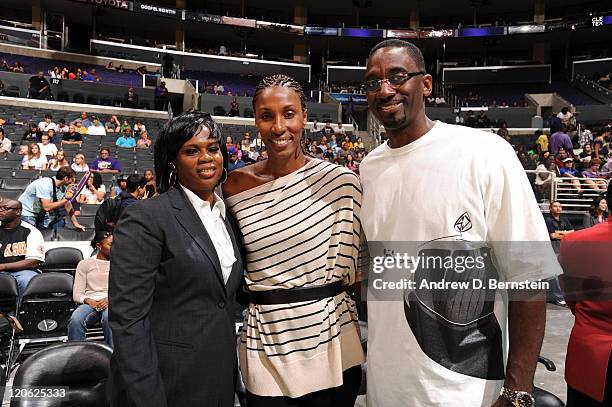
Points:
(57, 215)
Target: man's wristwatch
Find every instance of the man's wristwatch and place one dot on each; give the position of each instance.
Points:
(517, 398)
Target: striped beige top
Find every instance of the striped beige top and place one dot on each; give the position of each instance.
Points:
(300, 230)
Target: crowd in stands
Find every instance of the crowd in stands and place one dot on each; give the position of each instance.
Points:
(325, 142)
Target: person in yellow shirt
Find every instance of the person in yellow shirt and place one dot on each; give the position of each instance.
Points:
(541, 142)
(78, 125)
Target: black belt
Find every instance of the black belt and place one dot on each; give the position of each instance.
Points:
(300, 294)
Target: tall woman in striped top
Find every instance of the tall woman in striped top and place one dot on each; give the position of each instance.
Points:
(299, 217)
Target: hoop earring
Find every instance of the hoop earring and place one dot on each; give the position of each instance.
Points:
(223, 177)
(172, 176)
(303, 142)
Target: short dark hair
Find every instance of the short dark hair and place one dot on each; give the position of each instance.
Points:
(414, 51)
(176, 132)
(99, 237)
(105, 149)
(64, 172)
(134, 182)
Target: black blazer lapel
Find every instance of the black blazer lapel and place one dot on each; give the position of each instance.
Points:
(237, 269)
(190, 221)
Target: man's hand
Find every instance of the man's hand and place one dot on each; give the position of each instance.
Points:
(102, 304)
(79, 227)
(91, 303)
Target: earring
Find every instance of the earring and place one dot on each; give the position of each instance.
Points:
(223, 177)
(303, 142)
(172, 175)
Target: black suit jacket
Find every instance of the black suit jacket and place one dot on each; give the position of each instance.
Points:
(169, 310)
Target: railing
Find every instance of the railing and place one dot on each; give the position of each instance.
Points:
(577, 194)
(374, 129)
(596, 90)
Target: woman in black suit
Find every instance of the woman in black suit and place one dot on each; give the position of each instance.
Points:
(174, 273)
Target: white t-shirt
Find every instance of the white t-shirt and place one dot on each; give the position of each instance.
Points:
(96, 130)
(564, 117)
(44, 126)
(49, 149)
(453, 185)
(37, 163)
(91, 197)
(79, 168)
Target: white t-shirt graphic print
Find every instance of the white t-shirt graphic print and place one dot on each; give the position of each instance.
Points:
(452, 183)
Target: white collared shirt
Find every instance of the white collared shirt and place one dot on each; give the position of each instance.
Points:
(213, 221)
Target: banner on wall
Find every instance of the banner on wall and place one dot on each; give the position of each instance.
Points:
(241, 22)
(203, 17)
(121, 4)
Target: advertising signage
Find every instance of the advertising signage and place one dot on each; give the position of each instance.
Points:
(121, 4)
(241, 22)
(362, 32)
(401, 34)
(158, 10)
(321, 31)
(202, 17)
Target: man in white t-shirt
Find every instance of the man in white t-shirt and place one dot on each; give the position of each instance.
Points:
(47, 124)
(47, 148)
(430, 189)
(96, 128)
(565, 116)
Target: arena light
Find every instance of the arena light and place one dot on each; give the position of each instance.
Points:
(526, 29)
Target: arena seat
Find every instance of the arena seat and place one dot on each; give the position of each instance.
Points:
(83, 368)
(46, 307)
(8, 304)
(48, 234)
(89, 210)
(78, 98)
(15, 184)
(62, 260)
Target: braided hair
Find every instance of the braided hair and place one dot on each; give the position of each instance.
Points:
(283, 81)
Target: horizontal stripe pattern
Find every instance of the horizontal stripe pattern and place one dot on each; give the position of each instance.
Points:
(300, 230)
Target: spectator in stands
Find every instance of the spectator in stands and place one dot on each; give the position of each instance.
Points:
(585, 136)
(5, 143)
(328, 130)
(483, 121)
(39, 87)
(470, 119)
(47, 124)
(5, 66)
(234, 162)
(62, 127)
(94, 75)
(351, 164)
(503, 131)
(105, 163)
(459, 120)
(96, 128)
(315, 127)
(598, 212)
(22, 245)
(440, 101)
(150, 187)
(110, 66)
(83, 119)
(246, 142)
(112, 125)
(130, 100)
(234, 108)
(46, 201)
(58, 161)
(139, 128)
(565, 116)
(18, 68)
(586, 155)
(87, 77)
(72, 136)
(541, 142)
(34, 159)
(568, 171)
(79, 164)
(118, 188)
(94, 192)
(545, 174)
(32, 134)
(79, 74)
(55, 73)
(144, 141)
(126, 140)
(162, 96)
(120, 68)
(125, 125)
(218, 89)
(315, 152)
(91, 291)
(47, 148)
(602, 144)
(52, 137)
(343, 153)
(560, 139)
(229, 142)
(558, 226)
(593, 172)
(526, 161)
